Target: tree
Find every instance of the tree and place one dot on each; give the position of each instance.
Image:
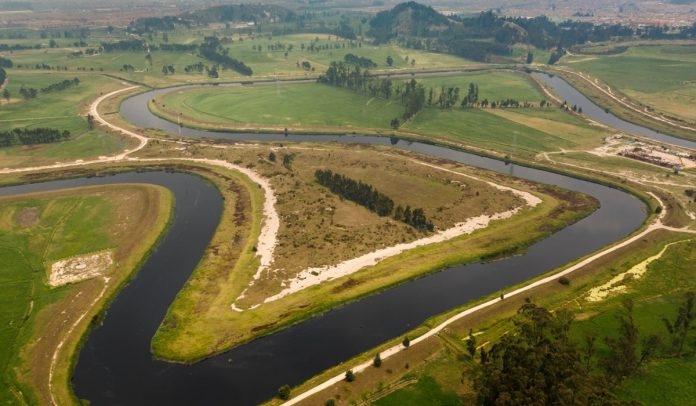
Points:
(350, 376)
(6, 94)
(622, 360)
(284, 392)
(406, 343)
(530, 58)
(390, 61)
(377, 361)
(537, 363)
(681, 326)
(471, 343)
(272, 156)
(90, 121)
(395, 123)
(287, 161)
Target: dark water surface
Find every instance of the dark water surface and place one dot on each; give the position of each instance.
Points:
(116, 367)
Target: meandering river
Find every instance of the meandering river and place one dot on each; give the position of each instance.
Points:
(115, 365)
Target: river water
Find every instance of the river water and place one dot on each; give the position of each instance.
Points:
(115, 365)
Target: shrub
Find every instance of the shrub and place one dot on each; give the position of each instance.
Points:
(564, 281)
(284, 392)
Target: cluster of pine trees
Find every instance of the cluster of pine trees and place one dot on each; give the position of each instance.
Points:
(211, 49)
(365, 195)
(196, 67)
(29, 136)
(359, 61)
(355, 191)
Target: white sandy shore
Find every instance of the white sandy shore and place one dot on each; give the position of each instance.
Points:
(271, 221)
(313, 276)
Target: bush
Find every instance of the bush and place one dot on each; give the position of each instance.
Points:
(406, 343)
(330, 402)
(564, 281)
(350, 376)
(377, 362)
(284, 392)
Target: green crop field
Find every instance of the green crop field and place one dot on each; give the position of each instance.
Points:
(659, 76)
(317, 108)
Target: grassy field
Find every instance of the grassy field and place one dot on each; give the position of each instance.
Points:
(252, 50)
(64, 110)
(633, 72)
(40, 228)
(305, 108)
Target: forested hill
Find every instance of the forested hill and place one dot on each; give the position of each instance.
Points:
(417, 26)
(256, 13)
(407, 20)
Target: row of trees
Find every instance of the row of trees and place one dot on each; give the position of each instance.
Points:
(365, 195)
(29, 136)
(355, 191)
(539, 362)
(168, 69)
(212, 49)
(62, 85)
(30, 92)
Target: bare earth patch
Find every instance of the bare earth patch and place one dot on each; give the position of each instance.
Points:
(28, 217)
(76, 269)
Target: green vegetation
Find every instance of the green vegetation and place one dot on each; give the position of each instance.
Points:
(39, 229)
(425, 392)
(632, 72)
(302, 107)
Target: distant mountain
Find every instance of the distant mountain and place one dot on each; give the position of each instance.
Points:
(407, 20)
(490, 36)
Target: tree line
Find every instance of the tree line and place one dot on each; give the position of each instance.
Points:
(211, 49)
(62, 85)
(29, 136)
(30, 92)
(540, 363)
(366, 196)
